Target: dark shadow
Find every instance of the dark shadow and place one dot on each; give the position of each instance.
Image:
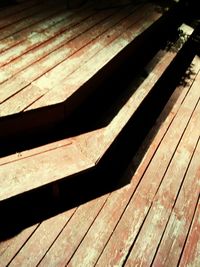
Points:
(184, 81)
(177, 42)
(7, 3)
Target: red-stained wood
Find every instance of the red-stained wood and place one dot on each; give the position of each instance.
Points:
(116, 251)
(34, 40)
(98, 235)
(61, 47)
(175, 234)
(10, 247)
(78, 78)
(151, 232)
(78, 154)
(72, 54)
(48, 166)
(191, 252)
(73, 233)
(42, 20)
(38, 244)
(35, 151)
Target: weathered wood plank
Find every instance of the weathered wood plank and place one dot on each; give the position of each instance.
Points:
(98, 235)
(84, 73)
(41, 21)
(191, 252)
(36, 39)
(116, 251)
(151, 232)
(72, 54)
(27, 75)
(38, 244)
(21, 15)
(10, 247)
(175, 235)
(48, 166)
(35, 151)
(73, 233)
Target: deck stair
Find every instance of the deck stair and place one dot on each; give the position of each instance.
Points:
(49, 76)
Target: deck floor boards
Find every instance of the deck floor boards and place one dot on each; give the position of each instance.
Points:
(152, 221)
(57, 40)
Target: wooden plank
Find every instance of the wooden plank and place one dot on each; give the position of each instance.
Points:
(73, 233)
(27, 75)
(100, 232)
(164, 121)
(116, 251)
(72, 54)
(35, 151)
(70, 85)
(175, 234)
(36, 39)
(43, 20)
(145, 246)
(191, 252)
(38, 244)
(34, 71)
(11, 10)
(98, 235)
(10, 247)
(21, 15)
(48, 166)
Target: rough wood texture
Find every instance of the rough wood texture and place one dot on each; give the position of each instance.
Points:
(154, 225)
(78, 153)
(9, 248)
(45, 234)
(63, 249)
(69, 43)
(152, 220)
(191, 252)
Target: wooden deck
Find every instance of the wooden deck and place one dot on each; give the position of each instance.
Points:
(151, 221)
(72, 200)
(46, 40)
(27, 65)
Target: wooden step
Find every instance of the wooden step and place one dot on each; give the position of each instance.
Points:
(46, 74)
(27, 170)
(157, 211)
